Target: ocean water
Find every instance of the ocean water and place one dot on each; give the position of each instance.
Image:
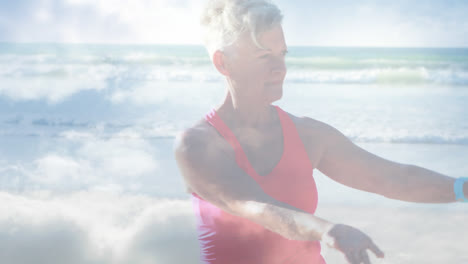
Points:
(90, 126)
(58, 95)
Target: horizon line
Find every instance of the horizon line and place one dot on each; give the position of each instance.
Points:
(201, 45)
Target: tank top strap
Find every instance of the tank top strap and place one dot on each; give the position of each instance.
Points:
(241, 160)
(221, 127)
(293, 145)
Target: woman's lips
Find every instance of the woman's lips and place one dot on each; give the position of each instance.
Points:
(275, 82)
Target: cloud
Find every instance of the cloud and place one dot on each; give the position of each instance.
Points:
(120, 157)
(53, 169)
(94, 227)
(376, 23)
(105, 21)
(83, 161)
(364, 23)
(63, 238)
(52, 90)
(179, 93)
(46, 76)
(91, 227)
(55, 21)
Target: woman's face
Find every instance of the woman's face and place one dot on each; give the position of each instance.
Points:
(258, 74)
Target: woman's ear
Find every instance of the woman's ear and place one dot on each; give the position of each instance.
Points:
(220, 62)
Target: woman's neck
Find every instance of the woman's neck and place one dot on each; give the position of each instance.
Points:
(239, 113)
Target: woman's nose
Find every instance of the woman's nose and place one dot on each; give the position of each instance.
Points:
(278, 66)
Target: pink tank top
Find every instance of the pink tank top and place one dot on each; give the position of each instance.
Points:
(229, 239)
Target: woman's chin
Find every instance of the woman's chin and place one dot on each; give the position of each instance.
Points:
(275, 94)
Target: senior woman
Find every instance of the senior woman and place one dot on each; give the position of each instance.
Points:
(248, 164)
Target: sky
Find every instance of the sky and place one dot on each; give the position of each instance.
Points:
(397, 23)
(87, 174)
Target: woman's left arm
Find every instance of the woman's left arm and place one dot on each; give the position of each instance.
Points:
(348, 164)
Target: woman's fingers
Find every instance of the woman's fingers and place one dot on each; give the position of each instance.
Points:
(353, 243)
(373, 247)
(358, 257)
(365, 257)
(353, 257)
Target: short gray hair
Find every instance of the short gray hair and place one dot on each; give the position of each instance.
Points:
(223, 21)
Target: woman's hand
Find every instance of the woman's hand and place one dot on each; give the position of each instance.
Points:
(352, 242)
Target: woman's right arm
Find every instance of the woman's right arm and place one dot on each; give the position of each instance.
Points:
(209, 169)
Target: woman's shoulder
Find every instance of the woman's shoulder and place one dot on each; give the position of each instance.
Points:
(198, 140)
(202, 130)
(202, 134)
(307, 124)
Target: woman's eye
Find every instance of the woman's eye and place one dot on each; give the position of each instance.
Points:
(268, 55)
